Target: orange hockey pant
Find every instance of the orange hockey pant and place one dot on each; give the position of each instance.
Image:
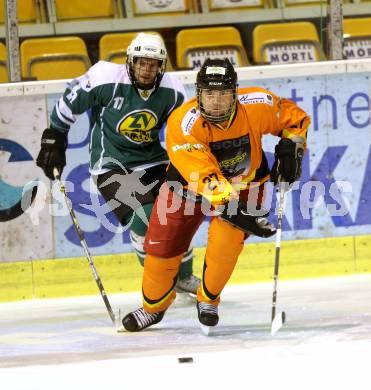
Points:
(168, 238)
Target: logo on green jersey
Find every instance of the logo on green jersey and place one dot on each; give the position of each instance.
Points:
(137, 126)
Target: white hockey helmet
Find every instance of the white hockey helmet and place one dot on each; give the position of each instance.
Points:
(147, 46)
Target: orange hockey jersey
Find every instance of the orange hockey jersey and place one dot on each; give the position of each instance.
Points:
(216, 162)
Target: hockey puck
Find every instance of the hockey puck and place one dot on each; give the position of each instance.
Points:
(185, 360)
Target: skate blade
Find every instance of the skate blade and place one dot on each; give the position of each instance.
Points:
(278, 322)
(207, 330)
(118, 324)
(120, 329)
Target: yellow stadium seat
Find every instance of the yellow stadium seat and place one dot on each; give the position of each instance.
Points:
(112, 47)
(357, 38)
(146, 8)
(230, 5)
(3, 66)
(284, 43)
(28, 11)
(193, 46)
(54, 58)
(299, 3)
(288, 3)
(85, 9)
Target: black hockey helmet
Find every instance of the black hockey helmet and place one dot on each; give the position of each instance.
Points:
(210, 76)
(217, 74)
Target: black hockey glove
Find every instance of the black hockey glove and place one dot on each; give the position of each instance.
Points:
(287, 164)
(251, 222)
(53, 152)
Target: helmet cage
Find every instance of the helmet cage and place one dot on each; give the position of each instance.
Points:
(217, 114)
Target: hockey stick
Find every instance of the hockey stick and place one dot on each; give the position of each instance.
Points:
(85, 246)
(279, 319)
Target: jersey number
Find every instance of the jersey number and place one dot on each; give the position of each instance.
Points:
(118, 102)
(73, 94)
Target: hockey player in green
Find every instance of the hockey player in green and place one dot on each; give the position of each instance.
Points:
(129, 105)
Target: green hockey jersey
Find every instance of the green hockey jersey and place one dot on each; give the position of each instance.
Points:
(126, 123)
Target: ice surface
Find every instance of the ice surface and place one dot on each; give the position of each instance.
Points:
(71, 344)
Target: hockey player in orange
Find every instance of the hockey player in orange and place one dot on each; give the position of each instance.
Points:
(217, 164)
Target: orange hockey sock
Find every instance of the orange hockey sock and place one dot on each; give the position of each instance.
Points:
(159, 279)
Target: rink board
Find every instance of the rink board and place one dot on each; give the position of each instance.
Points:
(122, 273)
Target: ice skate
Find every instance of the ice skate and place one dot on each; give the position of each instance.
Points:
(208, 316)
(188, 285)
(139, 319)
